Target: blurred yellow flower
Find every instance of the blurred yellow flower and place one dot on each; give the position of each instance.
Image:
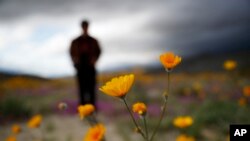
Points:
(35, 121)
(16, 129)
(139, 108)
(95, 133)
(183, 137)
(230, 65)
(197, 86)
(10, 138)
(183, 121)
(118, 86)
(169, 60)
(85, 110)
(246, 91)
(242, 101)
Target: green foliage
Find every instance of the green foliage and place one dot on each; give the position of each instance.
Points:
(14, 108)
(219, 115)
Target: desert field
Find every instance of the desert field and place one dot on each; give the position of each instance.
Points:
(213, 100)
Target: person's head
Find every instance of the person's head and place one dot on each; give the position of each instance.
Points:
(84, 26)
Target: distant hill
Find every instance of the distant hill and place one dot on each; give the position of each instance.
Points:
(214, 62)
(6, 75)
(209, 62)
(202, 62)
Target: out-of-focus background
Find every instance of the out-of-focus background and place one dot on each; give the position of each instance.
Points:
(36, 73)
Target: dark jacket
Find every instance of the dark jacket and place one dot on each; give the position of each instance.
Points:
(84, 52)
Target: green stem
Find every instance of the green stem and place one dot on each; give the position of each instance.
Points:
(168, 82)
(146, 127)
(163, 109)
(90, 121)
(93, 118)
(136, 125)
(161, 117)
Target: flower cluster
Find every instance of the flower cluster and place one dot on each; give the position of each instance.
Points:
(97, 130)
(16, 129)
(183, 122)
(120, 86)
(33, 122)
(243, 100)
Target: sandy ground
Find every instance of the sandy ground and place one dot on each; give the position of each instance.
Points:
(62, 128)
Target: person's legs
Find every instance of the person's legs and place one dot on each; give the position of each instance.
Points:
(92, 86)
(82, 88)
(92, 93)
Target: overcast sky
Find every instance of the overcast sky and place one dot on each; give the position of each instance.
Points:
(35, 34)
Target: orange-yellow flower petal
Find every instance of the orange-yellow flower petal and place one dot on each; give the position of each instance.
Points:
(246, 91)
(16, 129)
(35, 121)
(139, 108)
(184, 137)
(95, 133)
(183, 121)
(230, 65)
(169, 60)
(85, 110)
(11, 138)
(118, 86)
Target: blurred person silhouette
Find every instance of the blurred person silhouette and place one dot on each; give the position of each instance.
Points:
(84, 52)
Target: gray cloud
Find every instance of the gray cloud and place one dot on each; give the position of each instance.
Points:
(142, 27)
(209, 24)
(12, 9)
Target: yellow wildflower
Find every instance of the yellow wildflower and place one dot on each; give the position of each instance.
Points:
(10, 138)
(118, 86)
(85, 110)
(95, 133)
(185, 138)
(246, 91)
(16, 129)
(242, 101)
(169, 60)
(183, 121)
(35, 121)
(139, 108)
(230, 65)
(197, 86)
